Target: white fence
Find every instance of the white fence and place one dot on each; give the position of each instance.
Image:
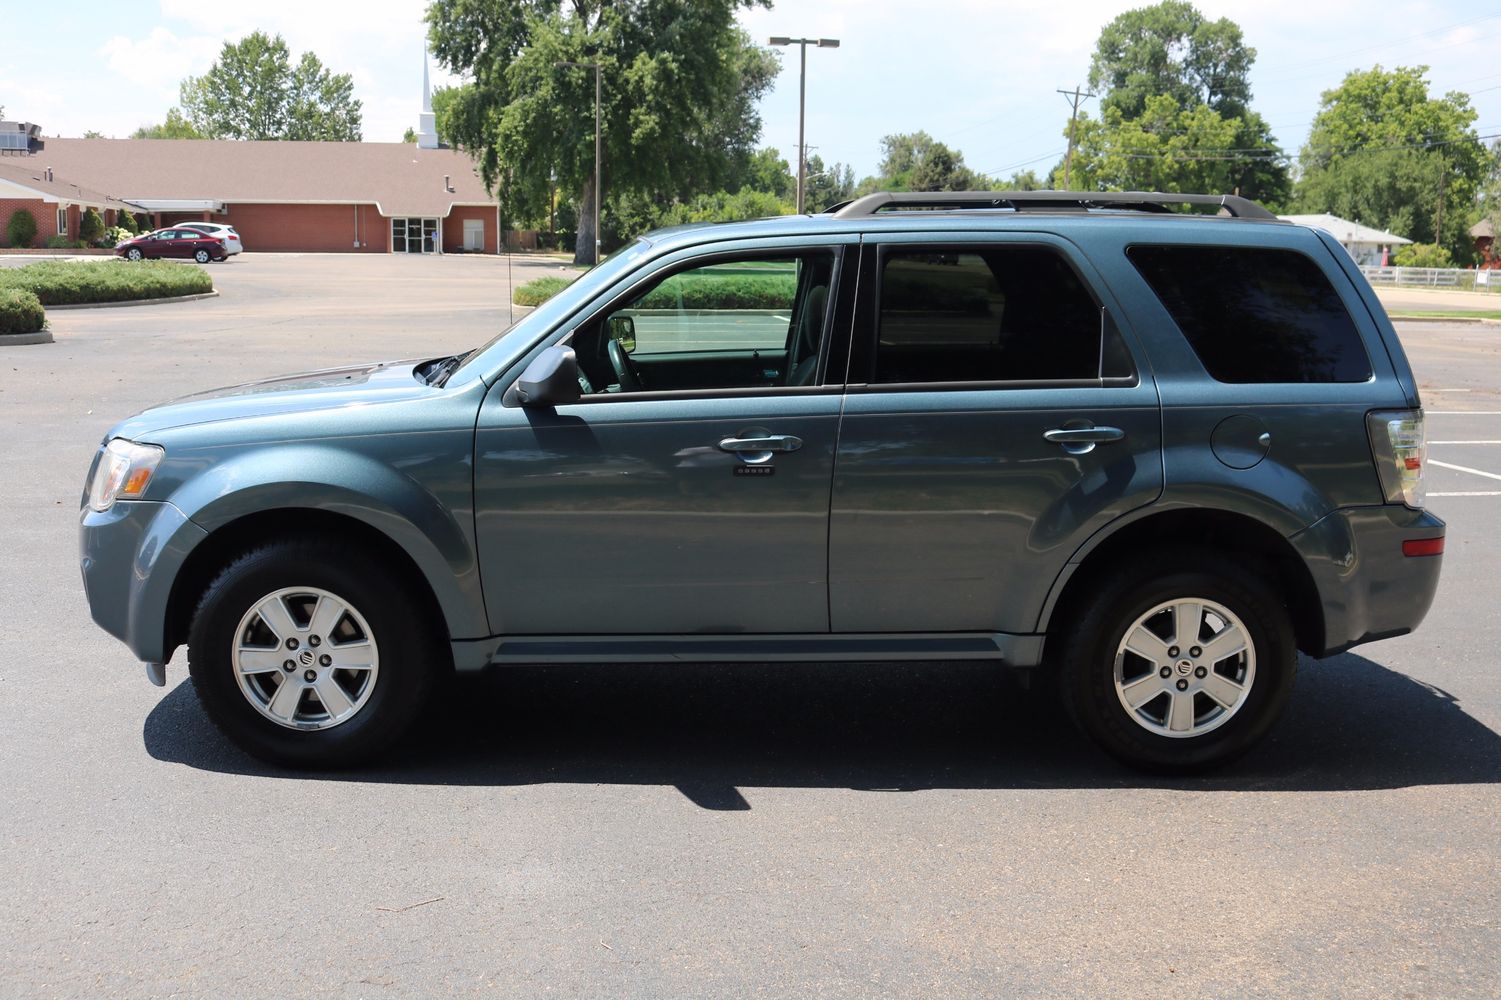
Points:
(1434, 277)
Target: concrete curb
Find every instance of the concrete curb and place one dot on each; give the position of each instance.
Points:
(1408, 318)
(137, 302)
(18, 339)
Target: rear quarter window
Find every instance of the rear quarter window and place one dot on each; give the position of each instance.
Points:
(1255, 315)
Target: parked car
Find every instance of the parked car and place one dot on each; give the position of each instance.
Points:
(178, 241)
(1152, 452)
(219, 231)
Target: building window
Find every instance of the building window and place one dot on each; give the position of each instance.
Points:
(414, 235)
(62, 220)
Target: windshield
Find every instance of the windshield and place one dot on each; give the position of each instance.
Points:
(563, 303)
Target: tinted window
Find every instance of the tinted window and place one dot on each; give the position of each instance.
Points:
(1256, 315)
(987, 314)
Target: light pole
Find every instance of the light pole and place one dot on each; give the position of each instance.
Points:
(597, 155)
(802, 93)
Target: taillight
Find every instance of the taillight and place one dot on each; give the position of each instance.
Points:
(1398, 445)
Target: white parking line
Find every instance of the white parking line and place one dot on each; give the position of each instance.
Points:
(1468, 493)
(1464, 468)
(1497, 441)
(1462, 413)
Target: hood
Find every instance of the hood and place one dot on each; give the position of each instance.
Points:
(326, 391)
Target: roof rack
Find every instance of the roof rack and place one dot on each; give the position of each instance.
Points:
(1230, 205)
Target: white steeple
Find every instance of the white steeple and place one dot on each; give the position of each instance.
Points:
(427, 123)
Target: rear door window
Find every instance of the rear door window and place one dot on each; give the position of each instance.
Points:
(1255, 315)
(990, 314)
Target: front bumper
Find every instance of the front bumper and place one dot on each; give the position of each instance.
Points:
(1369, 589)
(130, 556)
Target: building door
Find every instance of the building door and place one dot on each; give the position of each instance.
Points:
(474, 235)
(414, 235)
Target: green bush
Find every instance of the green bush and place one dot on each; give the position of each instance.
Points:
(20, 312)
(90, 227)
(728, 291)
(128, 222)
(22, 228)
(538, 290)
(59, 282)
(114, 236)
(59, 243)
(1422, 255)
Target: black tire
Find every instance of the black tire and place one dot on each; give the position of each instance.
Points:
(202, 256)
(411, 651)
(1089, 643)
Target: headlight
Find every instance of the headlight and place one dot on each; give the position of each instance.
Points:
(124, 470)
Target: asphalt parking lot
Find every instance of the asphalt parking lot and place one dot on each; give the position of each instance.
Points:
(689, 830)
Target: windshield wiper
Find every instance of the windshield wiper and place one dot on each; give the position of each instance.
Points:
(439, 372)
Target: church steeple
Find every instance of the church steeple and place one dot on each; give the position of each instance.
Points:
(427, 122)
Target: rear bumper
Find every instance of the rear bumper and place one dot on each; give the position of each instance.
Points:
(130, 556)
(1369, 589)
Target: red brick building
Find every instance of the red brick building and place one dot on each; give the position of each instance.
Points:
(350, 197)
(56, 204)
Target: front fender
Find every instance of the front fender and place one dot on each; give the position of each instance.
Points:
(426, 518)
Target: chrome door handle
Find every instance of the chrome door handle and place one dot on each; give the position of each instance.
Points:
(1083, 435)
(774, 442)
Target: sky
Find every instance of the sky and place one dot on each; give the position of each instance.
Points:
(979, 75)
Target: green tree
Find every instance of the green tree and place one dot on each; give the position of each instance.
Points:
(765, 170)
(410, 135)
(128, 222)
(21, 229)
(90, 226)
(1422, 255)
(680, 85)
(93, 134)
(826, 186)
(254, 92)
(1158, 70)
(915, 161)
(175, 127)
(1022, 180)
(1385, 153)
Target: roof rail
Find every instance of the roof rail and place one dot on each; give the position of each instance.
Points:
(1230, 205)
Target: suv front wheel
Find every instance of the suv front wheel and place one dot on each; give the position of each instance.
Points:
(1181, 665)
(308, 654)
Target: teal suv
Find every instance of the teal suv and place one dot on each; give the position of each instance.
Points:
(1148, 449)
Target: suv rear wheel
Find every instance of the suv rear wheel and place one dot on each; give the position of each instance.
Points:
(308, 654)
(1181, 665)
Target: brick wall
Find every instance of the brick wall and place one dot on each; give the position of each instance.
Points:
(43, 212)
(453, 227)
(326, 228)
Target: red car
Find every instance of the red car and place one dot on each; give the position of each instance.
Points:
(185, 243)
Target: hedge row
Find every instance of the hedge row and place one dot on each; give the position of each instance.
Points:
(20, 312)
(538, 291)
(59, 282)
(730, 291)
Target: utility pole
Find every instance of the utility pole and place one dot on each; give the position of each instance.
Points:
(1075, 98)
(1443, 178)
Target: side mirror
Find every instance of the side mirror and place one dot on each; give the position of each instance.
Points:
(623, 330)
(550, 380)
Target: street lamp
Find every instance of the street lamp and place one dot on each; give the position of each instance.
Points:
(595, 67)
(802, 92)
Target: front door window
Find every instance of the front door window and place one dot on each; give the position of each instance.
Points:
(414, 235)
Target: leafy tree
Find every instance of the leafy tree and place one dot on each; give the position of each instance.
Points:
(93, 134)
(128, 222)
(1022, 180)
(1422, 255)
(915, 161)
(1171, 82)
(765, 170)
(825, 187)
(254, 92)
(1383, 152)
(681, 82)
(21, 229)
(175, 127)
(90, 226)
(410, 135)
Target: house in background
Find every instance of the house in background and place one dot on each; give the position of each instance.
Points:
(1369, 247)
(1484, 235)
(55, 202)
(350, 197)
